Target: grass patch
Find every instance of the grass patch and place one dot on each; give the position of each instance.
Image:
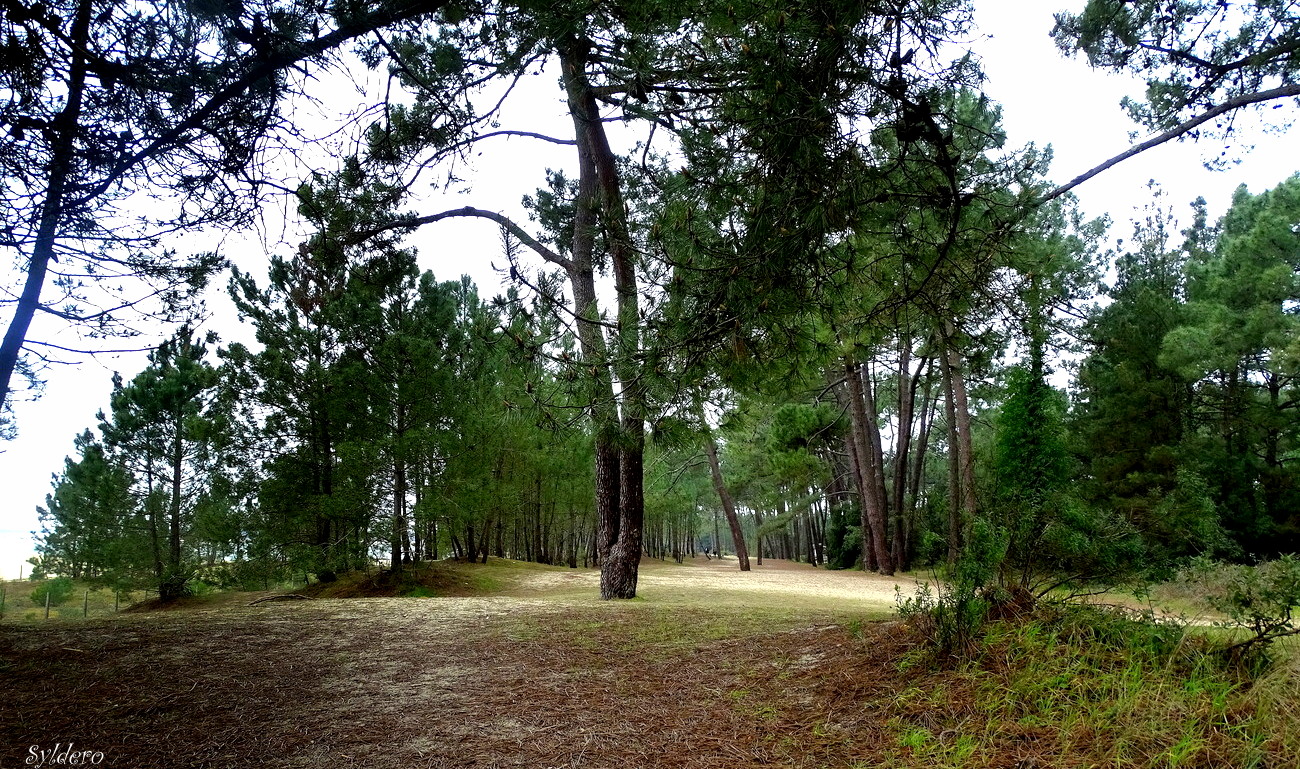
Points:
(85, 601)
(1079, 687)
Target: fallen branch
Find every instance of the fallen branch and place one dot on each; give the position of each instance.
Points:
(285, 597)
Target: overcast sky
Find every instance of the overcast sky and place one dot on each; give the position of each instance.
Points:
(1046, 99)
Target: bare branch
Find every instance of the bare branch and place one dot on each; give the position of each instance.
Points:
(504, 221)
(529, 134)
(1244, 100)
(87, 352)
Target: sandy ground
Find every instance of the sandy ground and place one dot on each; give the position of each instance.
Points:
(544, 676)
(776, 582)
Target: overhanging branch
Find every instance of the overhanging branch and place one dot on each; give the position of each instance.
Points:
(514, 229)
(1245, 100)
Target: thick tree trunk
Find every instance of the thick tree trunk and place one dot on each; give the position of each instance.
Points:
(599, 189)
(591, 340)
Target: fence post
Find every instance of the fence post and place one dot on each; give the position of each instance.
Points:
(85, 604)
(117, 595)
(47, 602)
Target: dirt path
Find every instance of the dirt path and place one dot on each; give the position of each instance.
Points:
(544, 677)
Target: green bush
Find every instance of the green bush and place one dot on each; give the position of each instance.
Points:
(58, 589)
(951, 615)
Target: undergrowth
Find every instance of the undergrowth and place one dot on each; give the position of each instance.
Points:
(1077, 686)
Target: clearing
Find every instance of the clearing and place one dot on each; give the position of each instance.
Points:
(784, 666)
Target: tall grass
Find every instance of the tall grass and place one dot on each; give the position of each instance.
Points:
(1079, 687)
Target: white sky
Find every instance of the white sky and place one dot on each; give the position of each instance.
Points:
(1046, 99)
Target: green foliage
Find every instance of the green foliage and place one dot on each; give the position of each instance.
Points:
(843, 539)
(1031, 470)
(1193, 56)
(951, 613)
(1260, 599)
(1130, 413)
(57, 591)
(1237, 345)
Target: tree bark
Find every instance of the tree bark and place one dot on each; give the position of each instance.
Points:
(928, 408)
(621, 578)
(855, 471)
(173, 584)
(728, 505)
(618, 566)
(961, 450)
(906, 410)
(724, 494)
(869, 476)
(52, 208)
(877, 454)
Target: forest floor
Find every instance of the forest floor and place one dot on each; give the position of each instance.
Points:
(784, 666)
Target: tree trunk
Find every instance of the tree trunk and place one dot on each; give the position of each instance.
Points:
(928, 408)
(399, 537)
(906, 409)
(876, 446)
(619, 493)
(151, 509)
(62, 152)
(869, 473)
(717, 535)
(963, 507)
(724, 494)
(173, 585)
(954, 465)
(855, 466)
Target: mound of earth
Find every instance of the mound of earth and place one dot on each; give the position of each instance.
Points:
(424, 580)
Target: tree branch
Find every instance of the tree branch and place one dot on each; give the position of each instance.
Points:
(260, 70)
(1238, 102)
(87, 352)
(529, 134)
(505, 221)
